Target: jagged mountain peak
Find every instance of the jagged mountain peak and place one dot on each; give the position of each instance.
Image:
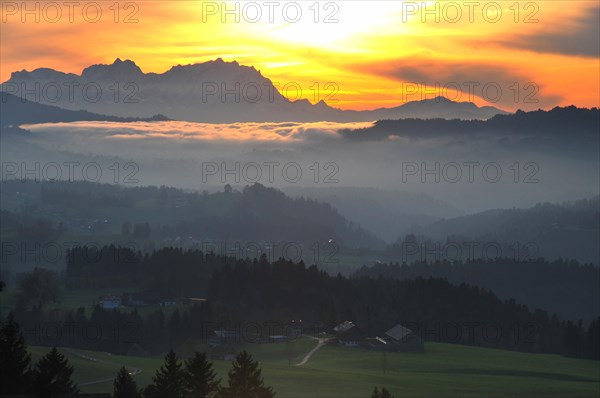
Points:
(118, 70)
(220, 91)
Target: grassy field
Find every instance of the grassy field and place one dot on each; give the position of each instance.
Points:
(444, 370)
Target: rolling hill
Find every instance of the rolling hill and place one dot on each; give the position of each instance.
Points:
(569, 230)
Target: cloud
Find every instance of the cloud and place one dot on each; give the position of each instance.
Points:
(580, 37)
(189, 132)
(467, 81)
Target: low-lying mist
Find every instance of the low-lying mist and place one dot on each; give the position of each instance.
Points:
(387, 185)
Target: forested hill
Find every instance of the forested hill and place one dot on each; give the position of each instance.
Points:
(562, 287)
(566, 124)
(257, 213)
(569, 230)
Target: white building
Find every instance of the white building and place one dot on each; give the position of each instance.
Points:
(109, 301)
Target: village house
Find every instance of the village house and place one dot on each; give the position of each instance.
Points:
(109, 301)
(223, 337)
(402, 339)
(349, 334)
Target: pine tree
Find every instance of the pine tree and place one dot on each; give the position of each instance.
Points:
(245, 380)
(573, 339)
(200, 378)
(168, 381)
(593, 339)
(15, 373)
(384, 393)
(52, 376)
(125, 386)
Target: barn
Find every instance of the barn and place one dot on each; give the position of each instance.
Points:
(402, 339)
(349, 334)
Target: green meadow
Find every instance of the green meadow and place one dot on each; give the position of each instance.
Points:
(444, 370)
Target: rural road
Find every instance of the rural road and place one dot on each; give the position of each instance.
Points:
(321, 343)
(133, 371)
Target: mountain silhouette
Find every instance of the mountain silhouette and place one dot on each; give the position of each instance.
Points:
(15, 111)
(214, 91)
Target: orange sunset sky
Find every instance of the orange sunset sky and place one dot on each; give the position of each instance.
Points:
(540, 54)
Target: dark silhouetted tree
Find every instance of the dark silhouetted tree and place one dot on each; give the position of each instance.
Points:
(573, 339)
(124, 386)
(168, 382)
(15, 374)
(245, 380)
(592, 346)
(52, 375)
(200, 377)
(384, 393)
(39, 286)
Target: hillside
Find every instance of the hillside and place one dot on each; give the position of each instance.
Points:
(565, 125)
(386, 213)
(565, 288)
(569, 230)
(15, 111)
(256, 214)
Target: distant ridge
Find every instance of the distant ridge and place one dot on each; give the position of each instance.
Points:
(214, 91)
(15, 111)
(561, 123)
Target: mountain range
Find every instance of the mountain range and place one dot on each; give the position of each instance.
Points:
(213, 92)
(15, 111)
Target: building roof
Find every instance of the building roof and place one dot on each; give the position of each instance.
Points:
(382, 341)
(343, 327)
(398, 332)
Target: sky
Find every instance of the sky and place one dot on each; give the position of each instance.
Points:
(352, 54)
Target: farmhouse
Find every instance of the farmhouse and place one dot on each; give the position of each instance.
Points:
(349, 334)
(402, 339)
(109, 301)
(223, 337)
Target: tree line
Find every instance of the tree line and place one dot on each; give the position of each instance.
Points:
(196, 378)
(567, 288)
(259, 291)
(52, 375)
